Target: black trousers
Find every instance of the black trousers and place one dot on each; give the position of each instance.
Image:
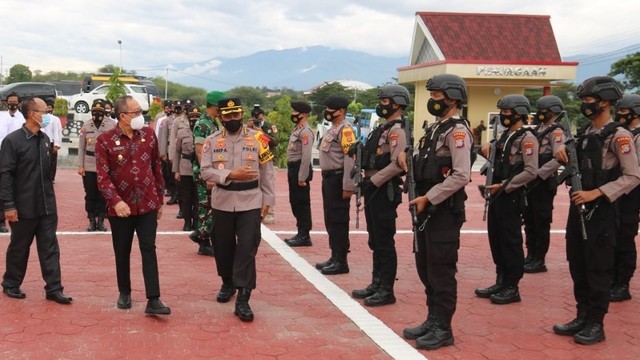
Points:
(94, 203)
(167, 174)
(336, 216)
(538, 217)
(380, 210)
(188, 199)
(299, 198)
(237, 237)
(436, 258)
(122, 230)
(44, 229)
(626, 253)
(53, 164)
(591, 261)
(505, 236)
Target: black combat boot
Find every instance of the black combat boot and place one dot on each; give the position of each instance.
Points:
(173, 200)
(420, 330)
(92, 223)
(226, 291)
(591, 334)
(493, 289)
(368, 291)
(3, 228)
(325, 264)
(572, 327)
(384, 295)
(437, 336)
(535, 266)
(336, 267)
(507, 295)
(243, 311)
(619, 293)
(299, 240)
(100, 224)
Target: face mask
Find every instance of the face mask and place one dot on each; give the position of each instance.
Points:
(177, 110)
(107, 113)
(542, 117)
(437, 107)
(624, 118)
(13, 107)
(590, 110)
(296, 118)
(46, 119)
(384, 111)
(232, 126)
(97, 116)
(507, 120)
(137, 122)
(330, 115)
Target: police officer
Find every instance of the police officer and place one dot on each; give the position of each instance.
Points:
(337, 185)
(628, 114)
(94, 203)
(442, 168)
(608, 163)
(300, 173)
(163, 147)
(516, 165)
(541, 192)
(168, 110)
(204, 127)
(240, 164)
(181, 121)
(258, 122)
(183, 169)
(382, 193)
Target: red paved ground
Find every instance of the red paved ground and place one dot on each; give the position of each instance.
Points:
(293, 319)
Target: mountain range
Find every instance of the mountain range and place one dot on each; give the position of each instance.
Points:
(306, 67)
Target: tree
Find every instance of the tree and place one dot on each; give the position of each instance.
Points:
(116, 87)
(250, 96)
(629, 68)
(320, 95)
(110, 68)
(19, 73)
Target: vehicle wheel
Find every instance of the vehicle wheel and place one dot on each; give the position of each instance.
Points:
(66, 132)
(81, 107)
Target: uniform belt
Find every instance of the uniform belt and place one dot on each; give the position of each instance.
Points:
(328, 173)
(186, 156)
(240, 186)
(294, 163)
(90, 153)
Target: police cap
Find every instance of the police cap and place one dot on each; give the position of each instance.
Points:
(336, 102)
(229, 105)
(301, 107)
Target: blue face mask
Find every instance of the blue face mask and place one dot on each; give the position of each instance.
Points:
(46, 119)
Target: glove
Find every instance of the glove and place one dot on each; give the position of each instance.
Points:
(367, 185)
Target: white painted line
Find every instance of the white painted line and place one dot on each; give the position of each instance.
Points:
(380, 333)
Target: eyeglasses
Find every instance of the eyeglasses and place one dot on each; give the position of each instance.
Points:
(135, 112)
(41, 111)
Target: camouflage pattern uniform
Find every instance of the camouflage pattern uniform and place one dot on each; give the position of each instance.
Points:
(205, 126)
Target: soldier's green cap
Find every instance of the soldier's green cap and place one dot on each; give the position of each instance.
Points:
(214, 96)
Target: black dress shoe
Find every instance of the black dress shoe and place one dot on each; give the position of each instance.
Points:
(124, 301)
(336, 268)
(324, 264)
(243, 310)
(226, 293)
(535, 266)
(420, 330)
(206, 250)
(3, 228)
(187, 227)
(59, 297)
(299, 241)
(591, 334)
(179, 215)
(437, 337)
(14, 292)
(487, 292)
(619, 293)
(571, 328)
(508, 295)
(172, 201)
(156, 307)
(193, 236)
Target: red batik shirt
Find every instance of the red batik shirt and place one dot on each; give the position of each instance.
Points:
(130, 170)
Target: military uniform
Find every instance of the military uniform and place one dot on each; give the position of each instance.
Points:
(94, 203)
(336, 167)
(540, 194)
(299, 169)
(204, 127)
(182, 164)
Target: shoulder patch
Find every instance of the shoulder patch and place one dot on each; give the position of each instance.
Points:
(206, 146)
(528, 148)
(348, 138)
(305, 139)
(458, 138)
(624, 144)
(558, 136)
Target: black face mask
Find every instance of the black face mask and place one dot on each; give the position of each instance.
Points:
(97, 116)
(590, 110)
(330, 115)
(437, 107)
(625, 119)
(542, 117)
(192, 123)
(177, 110)
(232, 126)
(296, 118)
(13, 107)
(508, 120)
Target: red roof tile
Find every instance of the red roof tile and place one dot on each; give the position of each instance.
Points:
(464, 37)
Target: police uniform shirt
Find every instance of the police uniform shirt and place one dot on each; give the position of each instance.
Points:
(299, 149)
(183, 153)
(333, 152)
(163, 138)
(87, 142)
(619, 149)
(636, 141)
(158, 124)
(180, 122)
(523, 149)
(392, 141)
(549, 144)
(223, 152)
(455, 143)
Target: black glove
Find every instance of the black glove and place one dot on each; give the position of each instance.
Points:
(367, 185)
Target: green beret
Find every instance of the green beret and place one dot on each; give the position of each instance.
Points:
(214, 96)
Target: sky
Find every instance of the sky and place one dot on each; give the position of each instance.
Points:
(77, 35)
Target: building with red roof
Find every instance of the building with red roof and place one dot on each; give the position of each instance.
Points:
(496, 54)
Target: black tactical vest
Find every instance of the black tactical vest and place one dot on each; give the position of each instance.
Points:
(589, 151)
(370, 158)
(546, 157)
(503, 170)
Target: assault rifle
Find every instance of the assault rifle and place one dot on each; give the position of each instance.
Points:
(488, 168)
(356, 172)
(572, 171)
(410, 181)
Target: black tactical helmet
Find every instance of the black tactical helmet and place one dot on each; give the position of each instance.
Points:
(518, 103)
(631, 102)
(551, 103)
(451, 85)
(603, 87)
(398, 93)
